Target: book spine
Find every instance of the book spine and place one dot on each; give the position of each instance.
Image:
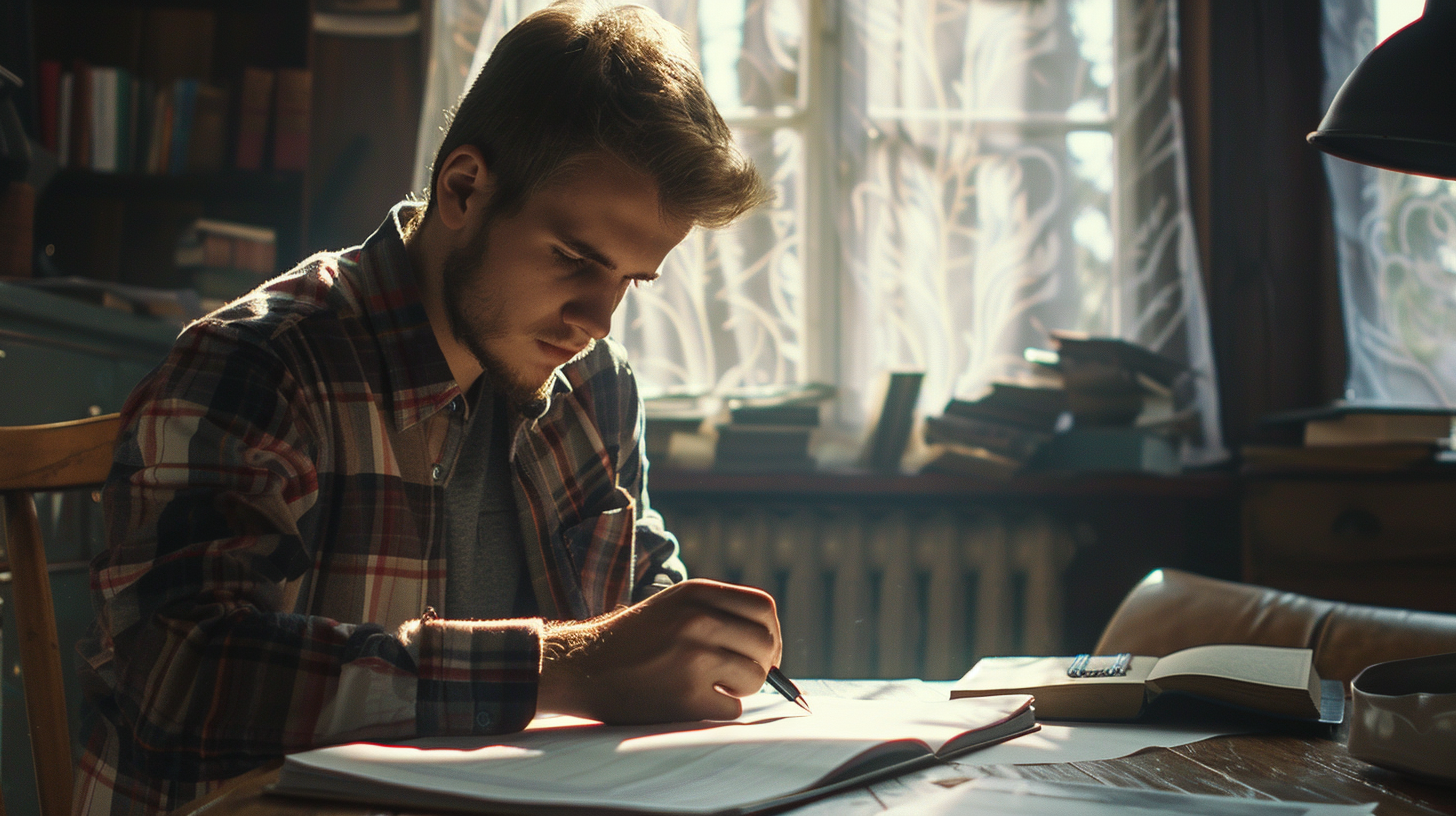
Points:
(897, 421)
(64, 117)
(125, 119)
(81, 116)
(1006, 440)
(991, 413)
(184, 99)
(103, 119)
(293, 102)
(50, 94)
(159, 146)
(255, 95)
(207, 144)
(143, 120)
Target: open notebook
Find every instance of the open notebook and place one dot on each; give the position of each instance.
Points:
(773, 756)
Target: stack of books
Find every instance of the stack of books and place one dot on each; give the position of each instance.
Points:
(997, 435)
(224, 259)
(1130, 407)
(770, 432)
(1111, 382)
(674, 423)
(1355, 437)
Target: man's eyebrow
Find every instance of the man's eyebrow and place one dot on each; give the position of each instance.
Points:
(586, 250)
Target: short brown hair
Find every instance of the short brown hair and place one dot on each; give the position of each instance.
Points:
(576, 78)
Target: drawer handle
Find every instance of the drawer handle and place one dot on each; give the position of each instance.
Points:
(1355, 525)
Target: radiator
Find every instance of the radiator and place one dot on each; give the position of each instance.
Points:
(867, 591)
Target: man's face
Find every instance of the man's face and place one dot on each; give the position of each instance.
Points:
(531, 291)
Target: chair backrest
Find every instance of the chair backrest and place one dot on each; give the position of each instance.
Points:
(60, 456)
(1171, 610)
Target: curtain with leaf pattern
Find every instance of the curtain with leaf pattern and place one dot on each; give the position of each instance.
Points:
(953, 179)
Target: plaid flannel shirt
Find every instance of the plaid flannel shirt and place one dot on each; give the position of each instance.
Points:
(275, 524)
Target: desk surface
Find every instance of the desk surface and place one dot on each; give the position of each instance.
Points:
(1260, 767)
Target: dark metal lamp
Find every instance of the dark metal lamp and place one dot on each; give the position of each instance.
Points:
(1397, 109)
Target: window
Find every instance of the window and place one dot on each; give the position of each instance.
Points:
(954, 178)
(1396, 239)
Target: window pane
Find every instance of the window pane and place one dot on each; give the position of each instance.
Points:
(1393, 15)
(728, 310)
(962, 255)
(1089, 199)
(750, 51)
(989, 57)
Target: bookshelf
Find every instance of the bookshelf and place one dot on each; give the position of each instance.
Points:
(115, 208)
(236, 112)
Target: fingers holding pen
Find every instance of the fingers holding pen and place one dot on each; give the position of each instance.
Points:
(688, 652)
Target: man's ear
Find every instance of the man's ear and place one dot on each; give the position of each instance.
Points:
(463, 187)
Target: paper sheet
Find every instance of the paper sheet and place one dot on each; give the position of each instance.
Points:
(775, 749)
(1021, 797)
(1081, 742)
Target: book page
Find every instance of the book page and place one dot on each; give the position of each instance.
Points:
(774, 750)
(1265, 665)
(1057, 695)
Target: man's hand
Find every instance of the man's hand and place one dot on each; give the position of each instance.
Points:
(687, 653)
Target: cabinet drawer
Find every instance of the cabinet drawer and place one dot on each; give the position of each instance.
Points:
(1351, 522)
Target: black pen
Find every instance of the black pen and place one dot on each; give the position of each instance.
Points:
(783, 685)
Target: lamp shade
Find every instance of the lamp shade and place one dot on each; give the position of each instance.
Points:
(1397, 109)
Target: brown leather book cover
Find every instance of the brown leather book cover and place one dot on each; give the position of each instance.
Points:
(207, 147)
(290, 121)
(255, 95)
(81, 116)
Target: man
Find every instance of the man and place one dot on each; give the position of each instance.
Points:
(399, 491)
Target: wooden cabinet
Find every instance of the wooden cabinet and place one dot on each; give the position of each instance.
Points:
(1389, 541)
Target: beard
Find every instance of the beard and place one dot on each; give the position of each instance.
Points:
(475, 318)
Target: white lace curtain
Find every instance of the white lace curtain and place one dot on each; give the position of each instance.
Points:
(1396, 242)
(954, 178)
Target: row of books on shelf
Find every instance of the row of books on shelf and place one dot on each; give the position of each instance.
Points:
(109, 120)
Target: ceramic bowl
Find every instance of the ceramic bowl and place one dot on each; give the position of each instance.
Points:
(1404, 717)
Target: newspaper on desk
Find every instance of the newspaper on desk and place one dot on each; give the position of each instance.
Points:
(1022, 797)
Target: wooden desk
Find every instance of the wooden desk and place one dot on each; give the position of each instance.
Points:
(1257, 767)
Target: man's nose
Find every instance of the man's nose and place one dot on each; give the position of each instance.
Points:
(591, 310)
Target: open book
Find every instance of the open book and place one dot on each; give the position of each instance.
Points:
(1267, 679)
(775, 755)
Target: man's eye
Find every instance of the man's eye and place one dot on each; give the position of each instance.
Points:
(569, 260)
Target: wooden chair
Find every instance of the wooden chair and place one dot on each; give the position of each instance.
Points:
(60, 456)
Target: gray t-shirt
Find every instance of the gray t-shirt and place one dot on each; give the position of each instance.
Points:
(486, 576)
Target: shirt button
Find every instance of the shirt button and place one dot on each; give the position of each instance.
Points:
(482, 719)
(437, 472)
(455, 404)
